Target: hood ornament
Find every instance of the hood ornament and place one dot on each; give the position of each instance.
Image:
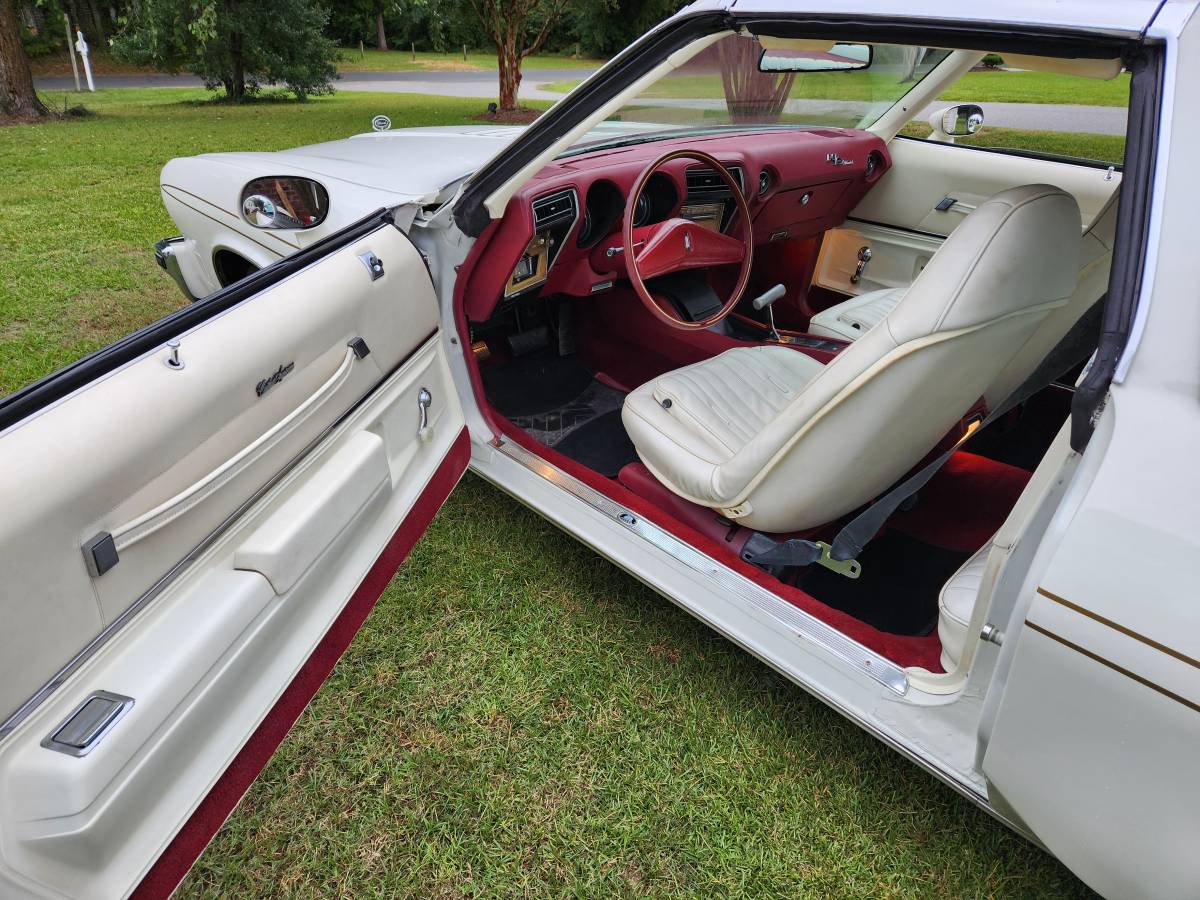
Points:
(687, 242)
(381, 123)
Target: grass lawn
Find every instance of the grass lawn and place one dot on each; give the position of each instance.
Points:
(1039, 87)
(977, 87)
(518, 716)
(1106, 148)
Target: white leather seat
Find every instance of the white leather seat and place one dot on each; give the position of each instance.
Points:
(772, 439)
(851, 319)
(956, 603)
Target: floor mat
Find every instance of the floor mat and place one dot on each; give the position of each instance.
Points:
(601, 444)
(558, 402)
(898, 589)
(534, 384)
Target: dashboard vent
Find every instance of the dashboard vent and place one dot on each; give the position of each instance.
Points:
(554, 208)
(707, 181)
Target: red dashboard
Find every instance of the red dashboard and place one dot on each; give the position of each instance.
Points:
(559, 230)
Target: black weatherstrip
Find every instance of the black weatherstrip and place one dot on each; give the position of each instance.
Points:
(67, 380)
(1133, 225)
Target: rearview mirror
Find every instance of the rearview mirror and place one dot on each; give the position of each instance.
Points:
(956, 121)
(836, 58)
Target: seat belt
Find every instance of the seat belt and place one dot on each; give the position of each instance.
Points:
(841, 556)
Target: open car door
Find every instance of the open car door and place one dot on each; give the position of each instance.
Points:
(195, 523)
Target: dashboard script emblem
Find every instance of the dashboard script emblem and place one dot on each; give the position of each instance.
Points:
(687, 243)
(273, 379)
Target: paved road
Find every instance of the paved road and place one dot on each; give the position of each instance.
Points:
(483, 84)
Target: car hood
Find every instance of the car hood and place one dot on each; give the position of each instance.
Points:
(411, 164)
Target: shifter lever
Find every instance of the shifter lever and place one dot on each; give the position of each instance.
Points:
(764, 301)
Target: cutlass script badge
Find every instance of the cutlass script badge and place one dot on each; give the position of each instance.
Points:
(273, 379)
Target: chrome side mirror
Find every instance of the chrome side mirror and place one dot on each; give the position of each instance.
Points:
(956, 121)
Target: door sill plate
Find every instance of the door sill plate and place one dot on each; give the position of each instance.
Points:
(787, 617)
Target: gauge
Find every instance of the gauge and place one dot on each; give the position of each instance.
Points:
(641, 212)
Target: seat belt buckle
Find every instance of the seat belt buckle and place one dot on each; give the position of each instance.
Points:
(851, 568)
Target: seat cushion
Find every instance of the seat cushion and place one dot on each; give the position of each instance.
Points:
(852, 318)
(687, 423)
(956, 603)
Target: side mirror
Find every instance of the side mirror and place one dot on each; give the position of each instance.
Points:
(956, 121)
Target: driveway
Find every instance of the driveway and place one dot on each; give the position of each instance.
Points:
(484, 85)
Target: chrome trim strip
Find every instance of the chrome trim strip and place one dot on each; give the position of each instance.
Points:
(805, 626)
(42, 694)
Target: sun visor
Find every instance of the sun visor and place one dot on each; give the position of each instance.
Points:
(799, 45)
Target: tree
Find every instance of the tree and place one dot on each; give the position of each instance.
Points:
(751, 95)
(18, 99)
(517, 28)
(235, 44)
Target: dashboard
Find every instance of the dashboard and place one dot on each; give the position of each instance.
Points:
(560, 231)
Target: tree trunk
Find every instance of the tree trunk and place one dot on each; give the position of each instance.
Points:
(379, 32)
(18, 99)
(509, 61)
(101, 37)
(235, 84)
(751, 96)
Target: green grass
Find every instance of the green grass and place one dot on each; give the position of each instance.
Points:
(402, 60)
(1039, 87)
(518, 717)
(977, 87)
(1106, 148)
(80, 210)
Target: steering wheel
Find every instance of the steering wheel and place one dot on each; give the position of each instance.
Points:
(678, 244)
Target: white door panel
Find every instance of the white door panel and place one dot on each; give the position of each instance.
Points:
(244, 515)
(900, 222)
(924, 172)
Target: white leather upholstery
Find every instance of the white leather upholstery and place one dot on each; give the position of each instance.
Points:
(956, 603)
(778, 445)
(851, 319)
(737, 394)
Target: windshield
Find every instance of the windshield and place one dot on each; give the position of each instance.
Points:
(731, 86)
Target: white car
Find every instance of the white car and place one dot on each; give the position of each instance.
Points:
(802, 375)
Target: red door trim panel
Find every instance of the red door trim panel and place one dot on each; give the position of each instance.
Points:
(185, 848)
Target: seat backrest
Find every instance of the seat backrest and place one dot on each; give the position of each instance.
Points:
(1095, 263)
(888, 398)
